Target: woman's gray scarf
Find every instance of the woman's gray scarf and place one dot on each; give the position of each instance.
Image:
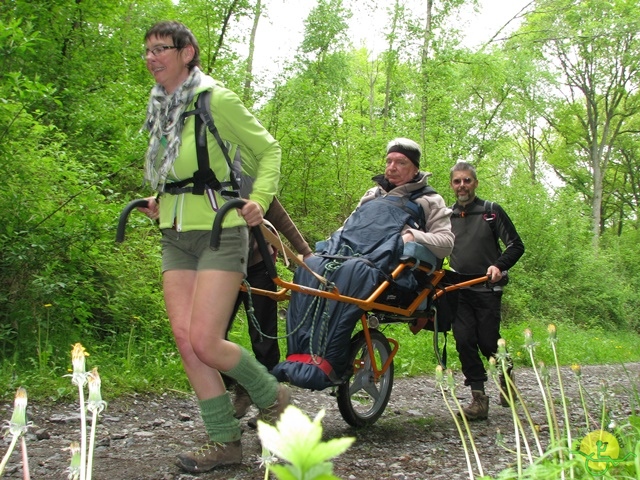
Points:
(164, 123)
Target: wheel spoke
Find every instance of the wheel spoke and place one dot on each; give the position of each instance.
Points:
(361, 399)
(359, 382)
(361, 377)
(372, 390)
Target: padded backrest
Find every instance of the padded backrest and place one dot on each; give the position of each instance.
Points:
(420, 254)
(412, 250)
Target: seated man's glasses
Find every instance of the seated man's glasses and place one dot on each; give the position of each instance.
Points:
(466, 181)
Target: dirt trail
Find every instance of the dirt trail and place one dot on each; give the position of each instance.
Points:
(139, 436)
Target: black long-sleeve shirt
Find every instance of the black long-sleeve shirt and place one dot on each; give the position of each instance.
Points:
(476, 248)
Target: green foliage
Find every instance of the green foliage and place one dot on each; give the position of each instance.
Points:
(298, 441)
(580, 345)
(73, 93)
(590, 50)
(601, 444)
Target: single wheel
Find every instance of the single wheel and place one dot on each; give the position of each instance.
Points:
(361, 399)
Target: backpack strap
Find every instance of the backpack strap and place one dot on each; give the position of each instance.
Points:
(205, 177)
(488, 215)
(413, 208)
(421, 221)
(203, 108)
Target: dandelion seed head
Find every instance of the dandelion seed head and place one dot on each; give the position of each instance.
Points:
(266, 459)
(78, 354)
(529, 344)
(18, 424)
(577, 370)
(95, 404)
(74, 467)
(451, 383)
(493, 370)
(551, 329)
(544, 371)
(502, 355)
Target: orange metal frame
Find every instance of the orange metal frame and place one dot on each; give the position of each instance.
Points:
(372, 304)
(285, 288)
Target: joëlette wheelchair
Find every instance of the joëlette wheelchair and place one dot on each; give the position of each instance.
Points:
(364, 395)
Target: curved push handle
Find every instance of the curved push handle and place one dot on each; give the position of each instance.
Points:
(257, 234)
(124, 216)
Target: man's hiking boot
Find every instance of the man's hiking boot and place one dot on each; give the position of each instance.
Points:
(253, 422)
(478, 409)
(210, 456)
(272, 414)
(241, 401)
(504, 401)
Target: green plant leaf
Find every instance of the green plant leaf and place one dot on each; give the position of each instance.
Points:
(294, 436)
(286, 472)
(297, 439)
(319, 470)
(327, 450)
(634, 420)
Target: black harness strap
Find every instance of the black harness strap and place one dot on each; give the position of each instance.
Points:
(409, 205)
(204, 114)
(488, 215)
(205, 177)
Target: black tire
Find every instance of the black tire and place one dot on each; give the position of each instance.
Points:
(361, 400)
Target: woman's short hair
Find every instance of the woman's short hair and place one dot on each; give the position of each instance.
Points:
(180, 35)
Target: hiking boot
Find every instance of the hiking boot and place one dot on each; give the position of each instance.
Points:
(478, 409)
(272, 414)
(241, 401)
(253, 422)
(504, 401)
(210, 456)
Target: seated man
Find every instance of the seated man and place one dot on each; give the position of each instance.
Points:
(356, 259)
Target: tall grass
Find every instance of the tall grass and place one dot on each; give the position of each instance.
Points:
(148, 361)
(81, 464)
(596, 446)
(582, 346)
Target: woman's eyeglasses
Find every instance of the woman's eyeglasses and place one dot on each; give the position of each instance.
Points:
(466, 181)
(156, 50)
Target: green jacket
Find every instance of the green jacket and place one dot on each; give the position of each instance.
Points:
(239, 129)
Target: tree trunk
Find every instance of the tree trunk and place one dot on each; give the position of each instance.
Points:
(223, 32)
(424, 87)
(246, 96)
(392, 57)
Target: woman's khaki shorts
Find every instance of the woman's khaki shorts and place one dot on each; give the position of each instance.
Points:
(191, 251)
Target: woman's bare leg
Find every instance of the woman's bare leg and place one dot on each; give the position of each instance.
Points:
(199, 305)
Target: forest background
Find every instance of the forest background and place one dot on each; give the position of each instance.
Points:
(548, 112)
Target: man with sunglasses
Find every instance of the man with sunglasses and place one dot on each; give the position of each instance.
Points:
(479, 226)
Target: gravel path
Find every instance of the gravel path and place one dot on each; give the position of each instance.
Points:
(416, 438)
